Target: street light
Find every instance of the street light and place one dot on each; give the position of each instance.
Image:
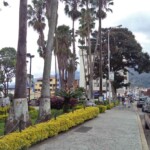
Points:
(109, 83)
(30, 56)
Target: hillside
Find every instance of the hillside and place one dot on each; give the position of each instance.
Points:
(140, 80)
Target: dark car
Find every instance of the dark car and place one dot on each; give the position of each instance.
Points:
(96, 95)
(141, 102)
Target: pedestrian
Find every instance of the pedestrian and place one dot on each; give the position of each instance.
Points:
(123, 100)
(126, 101)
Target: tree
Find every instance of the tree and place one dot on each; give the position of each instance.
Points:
(36, 17)
(51, 12)
(62, 51)
(89, 13)
(123, 46)
(71, 9)
(7, 67)
(20, 117)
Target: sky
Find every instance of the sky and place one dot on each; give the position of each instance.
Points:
(131, 14)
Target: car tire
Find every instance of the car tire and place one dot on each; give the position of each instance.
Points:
(146, 126)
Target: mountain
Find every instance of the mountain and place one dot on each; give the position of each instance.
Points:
(140, 80)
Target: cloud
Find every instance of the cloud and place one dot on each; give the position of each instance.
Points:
(138, 22)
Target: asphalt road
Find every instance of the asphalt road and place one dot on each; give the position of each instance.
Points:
(146, 131)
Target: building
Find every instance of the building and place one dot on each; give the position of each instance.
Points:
(84, 73)
(54, 84)
(105, 88)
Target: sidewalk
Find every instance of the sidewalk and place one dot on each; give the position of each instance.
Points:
(117, 129)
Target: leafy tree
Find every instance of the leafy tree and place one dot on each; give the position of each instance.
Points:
(7, 67)
(123, 46)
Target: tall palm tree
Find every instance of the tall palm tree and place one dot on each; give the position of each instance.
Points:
(87, 22)
(103, 5)
(91, 13)
(71, 9)
(36, 17)
(21, 115)
(62, 50)
(44, 109)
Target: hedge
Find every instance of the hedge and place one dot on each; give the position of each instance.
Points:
(39, 132)
(102, 108)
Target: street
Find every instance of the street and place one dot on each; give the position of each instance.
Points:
(146, 131)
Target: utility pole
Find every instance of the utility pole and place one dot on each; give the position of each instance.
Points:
(109, 70)
(30, 56)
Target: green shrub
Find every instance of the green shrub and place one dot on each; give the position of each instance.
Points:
(79, 106)
(116, 103)
(3, 117)
(109, 106)
(33, 114)
(31, 108)
(4, 110)
(102, 108)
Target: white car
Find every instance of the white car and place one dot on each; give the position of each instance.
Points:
(146, 106)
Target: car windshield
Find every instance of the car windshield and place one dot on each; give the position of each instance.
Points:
(143, 99)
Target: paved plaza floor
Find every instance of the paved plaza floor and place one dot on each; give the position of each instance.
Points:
(117, 129)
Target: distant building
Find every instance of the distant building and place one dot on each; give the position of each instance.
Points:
(54, 84)
(84, 73)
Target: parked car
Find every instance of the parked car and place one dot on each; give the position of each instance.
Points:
(146, 106)
(141, 101)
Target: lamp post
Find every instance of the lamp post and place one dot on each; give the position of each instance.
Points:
(30, 56)
(109, 71)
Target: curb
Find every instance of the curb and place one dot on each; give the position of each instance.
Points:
(142, 135)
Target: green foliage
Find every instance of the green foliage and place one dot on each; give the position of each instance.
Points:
(79, 106)
(70, 93)
(109, 106)
(7, 69)
(4, 110)
(116, 102)
(126, 52)
(102, 108)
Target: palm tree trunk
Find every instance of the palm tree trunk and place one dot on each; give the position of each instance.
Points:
(55, 72)
(84, 73)
(100, 50)
(19, 115)
(74, 50)
(44, 110)
(90, 59)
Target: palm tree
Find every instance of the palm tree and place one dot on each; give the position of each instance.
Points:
(103, 5)
(21, 115)
(87, 22)
(71, 9)
(44, 109)
(36, 17)
(63, 42)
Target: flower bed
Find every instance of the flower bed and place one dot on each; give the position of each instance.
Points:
(39, 132)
